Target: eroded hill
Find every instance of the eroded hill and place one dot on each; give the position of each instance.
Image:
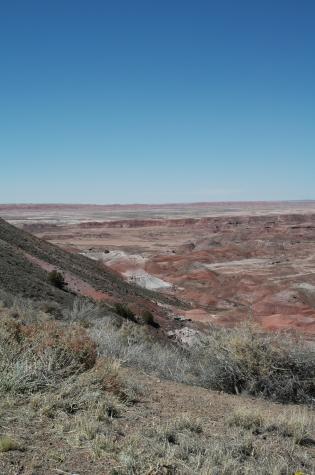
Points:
(226, 261)
(26, 260)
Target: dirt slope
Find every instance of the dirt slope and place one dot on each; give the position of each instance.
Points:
(25, 261)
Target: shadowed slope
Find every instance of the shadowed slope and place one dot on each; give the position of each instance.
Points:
(21, 272)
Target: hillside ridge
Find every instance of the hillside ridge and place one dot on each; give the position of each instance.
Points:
(25, 260)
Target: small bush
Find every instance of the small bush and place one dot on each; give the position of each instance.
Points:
(68, 340)
(148, 319)
(98, 390)
(84, 406)
(125, 312)
(183, 424)
(51, 308)
(34, 357)
(6, 298)
(24, 309)
(82, 311)
(56, 278)
(246, 419)
(243, 360)
(7, 444)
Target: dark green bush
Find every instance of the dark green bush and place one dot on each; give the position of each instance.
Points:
(125, 312)
(57, 279)
(148, 318)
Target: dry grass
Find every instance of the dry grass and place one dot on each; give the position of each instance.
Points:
(296, 424)
(50, 370)
(38, 356)
(7, 444)
(84, 407)
(82, 311)
(241, 360)
(237, 361)
(51, 377)
(185, 448)
(273, 366)
(247, 419)
(134, 346)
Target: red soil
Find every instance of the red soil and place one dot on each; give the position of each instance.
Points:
(74, 284)
(257, 261)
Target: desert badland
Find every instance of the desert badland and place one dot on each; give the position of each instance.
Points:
(226, 261)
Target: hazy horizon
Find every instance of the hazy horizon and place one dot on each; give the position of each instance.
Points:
(168, 203)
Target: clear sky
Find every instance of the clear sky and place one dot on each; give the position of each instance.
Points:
(156, 101)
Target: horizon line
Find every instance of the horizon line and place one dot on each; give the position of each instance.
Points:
(169, 203)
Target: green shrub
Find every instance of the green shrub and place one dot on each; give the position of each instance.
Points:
(125, 312)
(56, 278)
(148, 319)
(7, 444)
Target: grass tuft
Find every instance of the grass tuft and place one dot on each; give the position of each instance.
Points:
(7, 444)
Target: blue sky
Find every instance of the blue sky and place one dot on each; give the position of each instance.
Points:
(156, 101)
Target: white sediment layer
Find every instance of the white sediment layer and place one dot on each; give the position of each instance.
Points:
(145, 280)
(115, 256)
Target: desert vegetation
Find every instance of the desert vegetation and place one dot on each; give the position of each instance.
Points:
(242, 360)
(148, 318)
(88, 376)
(124, 311)
(245, 360)
(57, 279)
